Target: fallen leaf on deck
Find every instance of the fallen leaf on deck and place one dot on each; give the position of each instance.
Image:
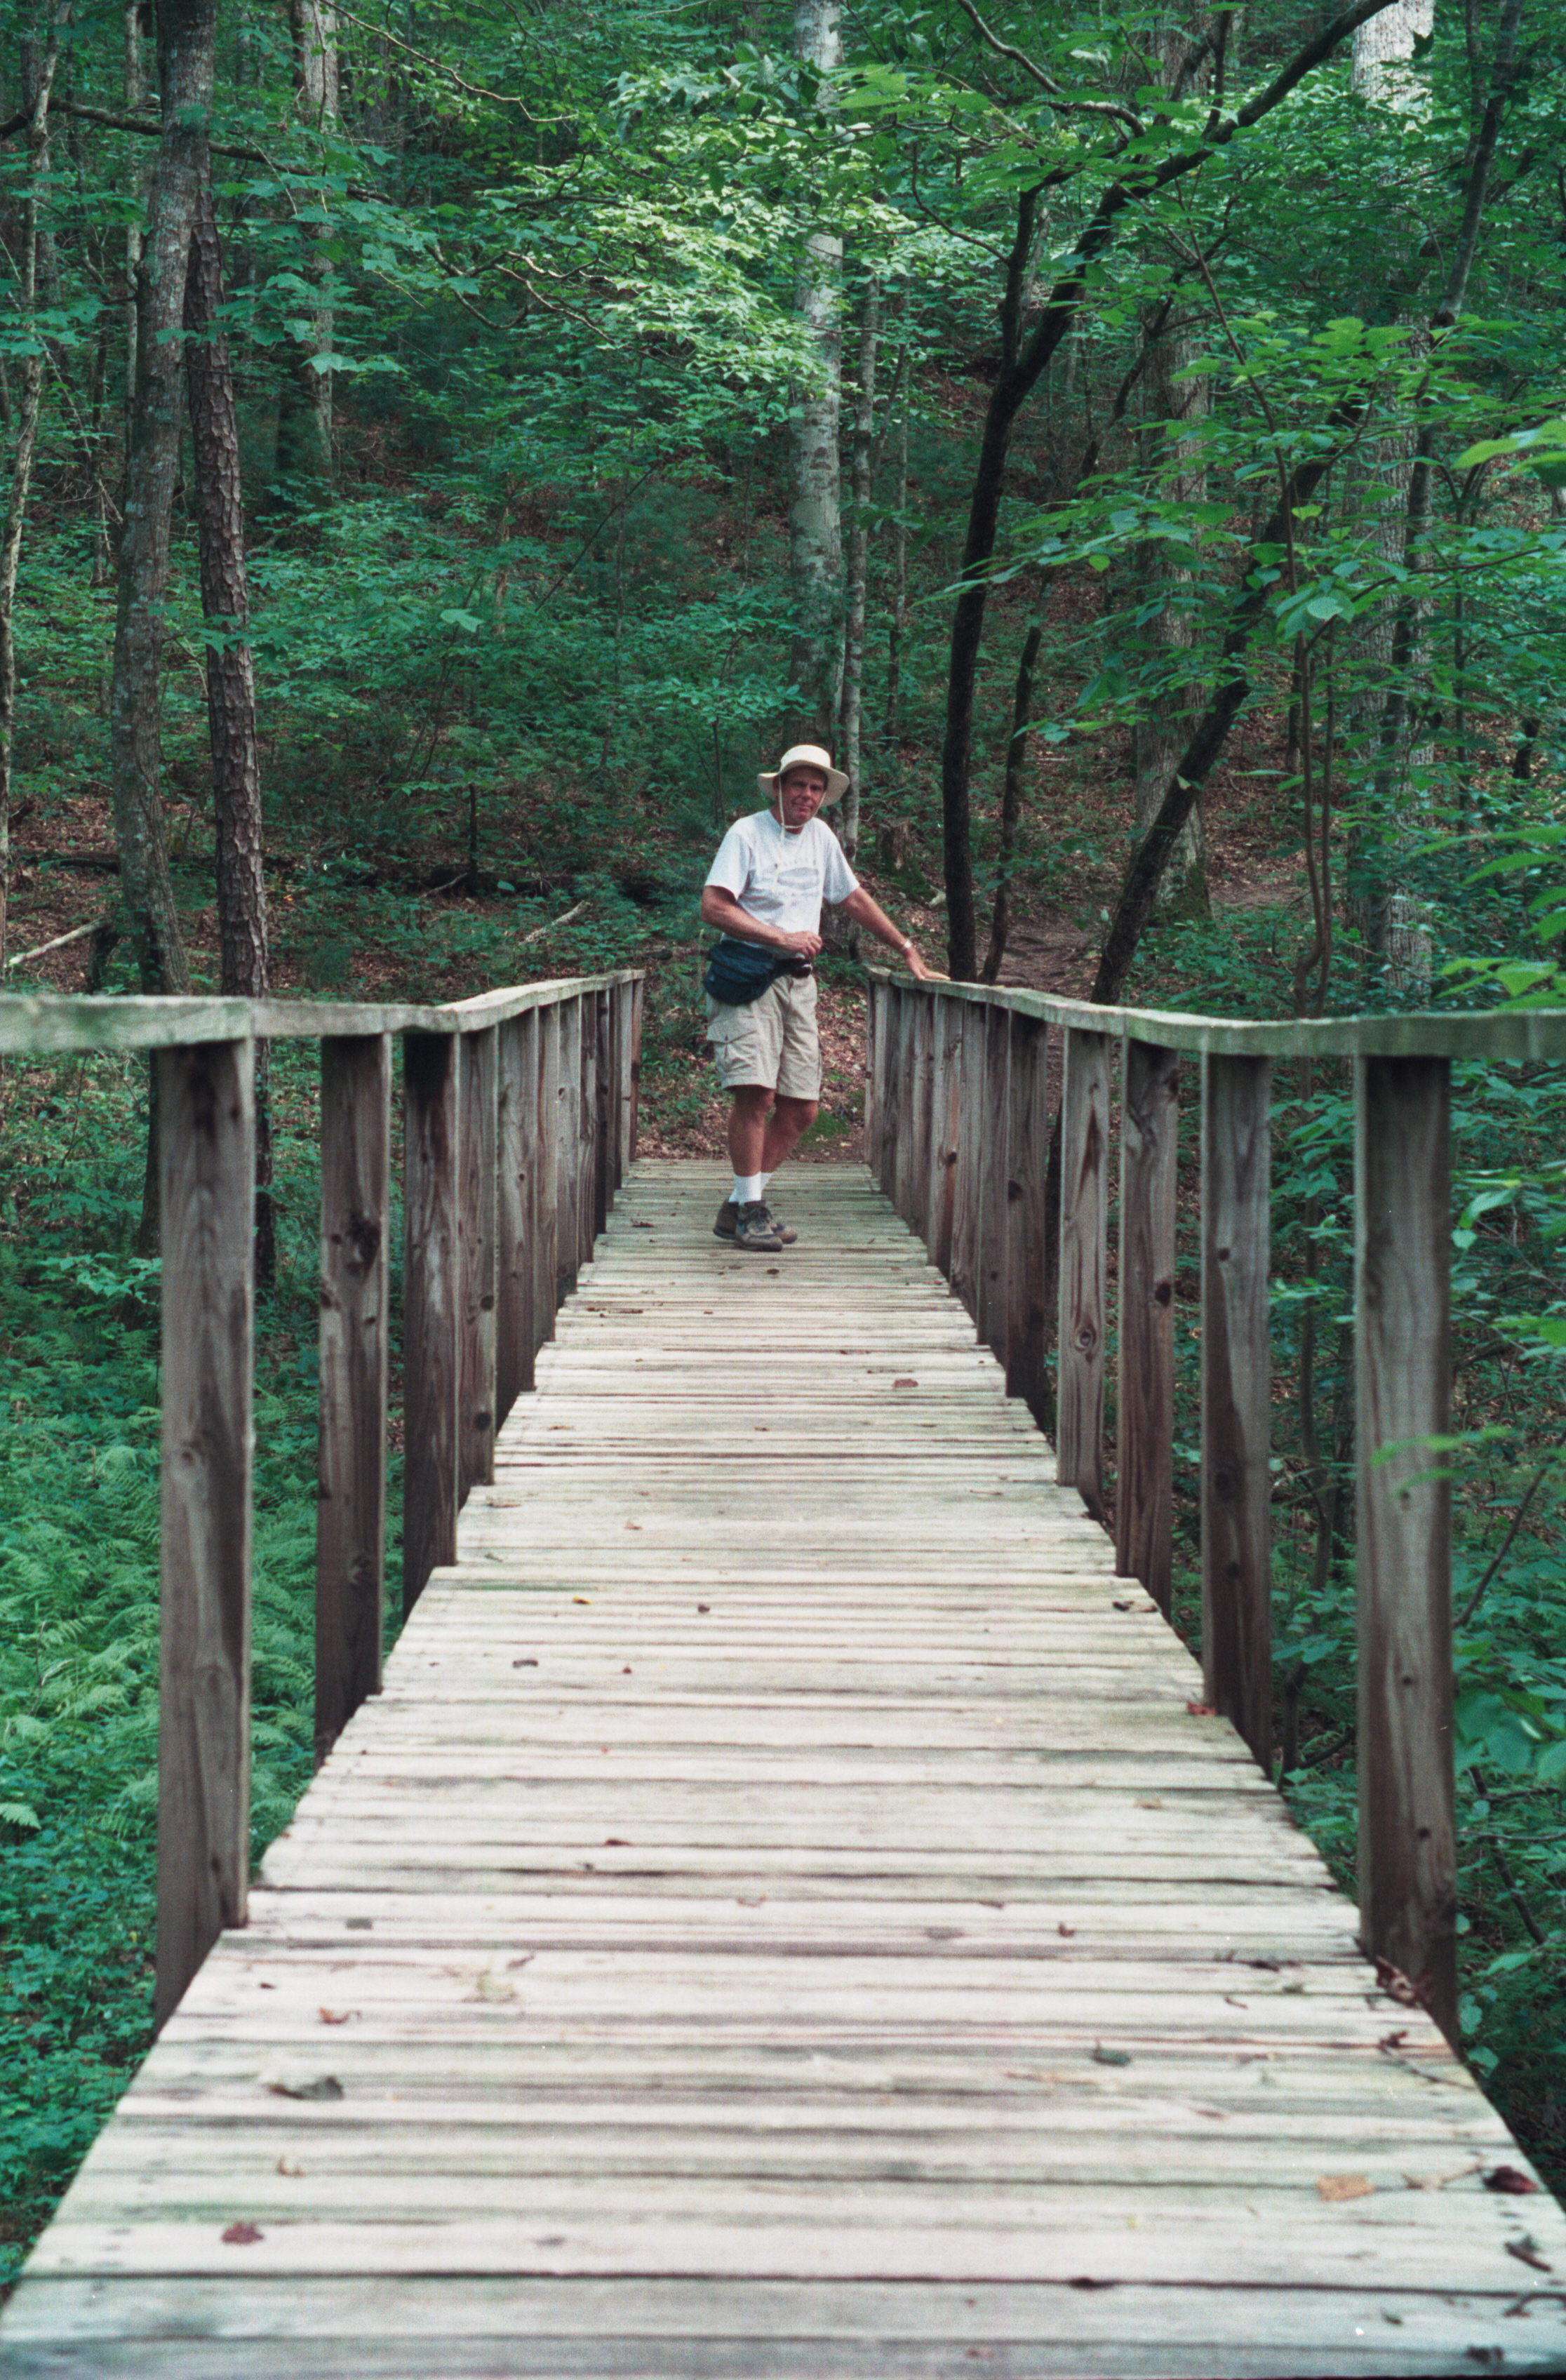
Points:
(330, 2016)
(1526, 2252)
(905, 1384)
(292, 2171)
(326, 2086)
(241, 2235)
(581, 1598)
(1102, 2057)
(527, 1662)
(1509, 2182)
(1334, 2187)
(491, 1987)
(1067, 1930)
(1201, 1710)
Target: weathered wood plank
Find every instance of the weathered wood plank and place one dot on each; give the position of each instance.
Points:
(431, 1112)
(1085, 1211)
(1403, 1205)
(1145, 1443)
(350, 1521)
(206, 1147)
(1237, 1397)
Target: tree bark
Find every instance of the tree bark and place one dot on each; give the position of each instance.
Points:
(186, 43)
(22, 454)
(851, 703)
(815, 511)
(304, 403)
(230, 691)
(1010, 803)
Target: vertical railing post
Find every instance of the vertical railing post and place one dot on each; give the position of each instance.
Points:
(568, 1148)
(989, 1311)
(1407, 1872)
(432, 1109)
(587, 1129)
(945, 1096)
(1084, 1223)
(966, 1167)
(1145, 1449)
(919, 1114)
(516, 1132)
(1027, 1143)
(905, 1157)
(350, 1513)
(875, 1011)
(1237, 1398)
(546, 1192)
(889, 1043)
(604, 1106)
(625, 1082)
(206, 1145)
(639, 996)
(476, 1246)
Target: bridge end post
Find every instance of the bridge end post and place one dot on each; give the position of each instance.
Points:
(1145, 1448)
(1407, 1849)
(206, 1166)
(1085, 1225)
(1236, 1397)
(350, 1513)
(431, 1089)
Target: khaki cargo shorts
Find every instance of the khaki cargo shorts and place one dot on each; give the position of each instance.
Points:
(771, 1040)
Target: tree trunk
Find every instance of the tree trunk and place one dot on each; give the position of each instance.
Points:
(1174, 411)
(231, 692)
(22, 454)
(1010, 803)
(851, 705)
(815, 513)
(304, 403)
(186, 41)
(898, 623)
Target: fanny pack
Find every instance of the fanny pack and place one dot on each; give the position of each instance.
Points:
(738, 973)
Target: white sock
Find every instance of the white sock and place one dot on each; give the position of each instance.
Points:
(763, 1179)
(747, 1188)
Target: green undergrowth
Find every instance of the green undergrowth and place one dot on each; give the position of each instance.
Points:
(78, 1593)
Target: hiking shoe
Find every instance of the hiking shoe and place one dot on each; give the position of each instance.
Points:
(755, 1229)
(728, 1222)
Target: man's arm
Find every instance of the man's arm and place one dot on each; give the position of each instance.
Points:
(865, 911)
(720, 909)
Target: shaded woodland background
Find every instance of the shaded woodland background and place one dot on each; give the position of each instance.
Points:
(450, 449)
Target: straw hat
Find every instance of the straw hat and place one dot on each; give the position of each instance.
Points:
(805, 756)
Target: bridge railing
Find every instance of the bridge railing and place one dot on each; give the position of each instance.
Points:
(961, 1137)
(519, 1118)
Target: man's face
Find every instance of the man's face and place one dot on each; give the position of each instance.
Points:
(800, 795)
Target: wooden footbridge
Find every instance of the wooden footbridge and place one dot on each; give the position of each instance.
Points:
(791, 1905)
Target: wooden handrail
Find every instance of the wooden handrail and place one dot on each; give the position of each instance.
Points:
(519, 1122)
(958, 1133)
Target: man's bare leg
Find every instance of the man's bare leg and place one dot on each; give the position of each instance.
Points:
(748, 1129)
(787, 1120)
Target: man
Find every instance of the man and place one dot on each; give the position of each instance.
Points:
(766, 886)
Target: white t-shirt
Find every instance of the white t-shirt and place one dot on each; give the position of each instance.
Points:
(779, 879)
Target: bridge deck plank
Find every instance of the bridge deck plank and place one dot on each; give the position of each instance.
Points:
(782, 1917)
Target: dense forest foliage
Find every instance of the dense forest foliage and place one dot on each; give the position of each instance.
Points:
(451, 447)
